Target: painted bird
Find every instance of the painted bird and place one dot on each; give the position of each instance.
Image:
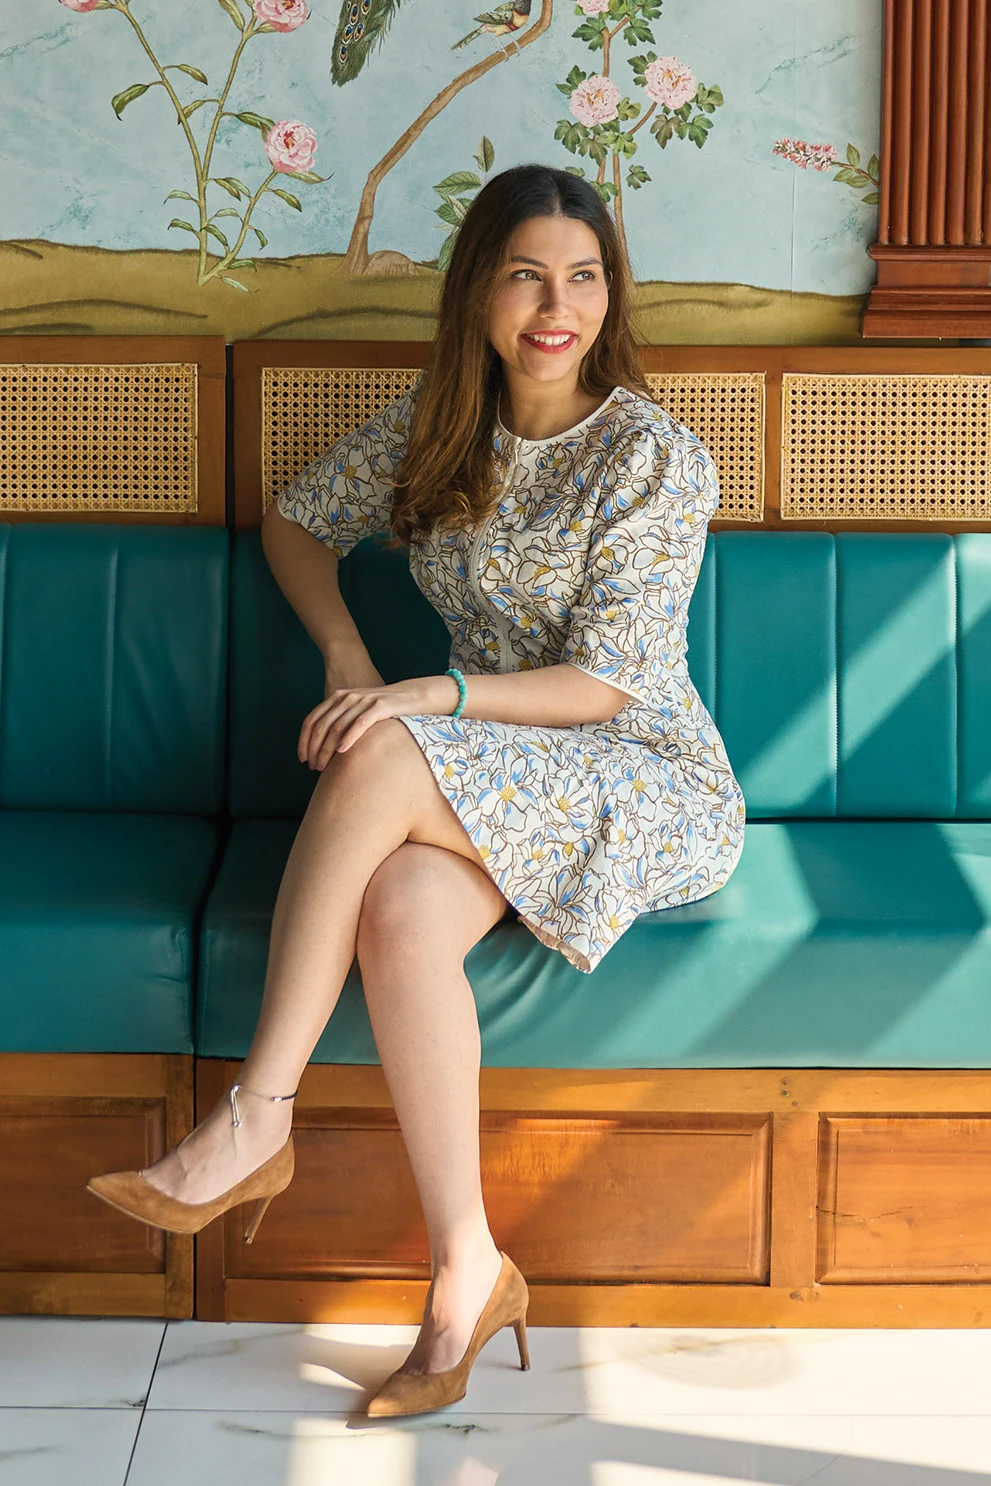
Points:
(498, 22)
(361, 26)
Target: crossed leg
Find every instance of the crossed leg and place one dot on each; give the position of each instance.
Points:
(371, 804)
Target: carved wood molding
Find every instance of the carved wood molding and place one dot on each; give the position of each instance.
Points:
(933, 252)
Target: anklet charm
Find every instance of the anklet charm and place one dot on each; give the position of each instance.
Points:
(273, 1098)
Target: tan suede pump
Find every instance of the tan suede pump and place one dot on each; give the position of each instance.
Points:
(421, 1393)
(129, 1193)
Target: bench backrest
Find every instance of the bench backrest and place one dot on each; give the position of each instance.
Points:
(113, 667)
(849, 673)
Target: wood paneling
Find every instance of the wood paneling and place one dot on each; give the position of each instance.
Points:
(905, 1201)
(933, 252)
(65, 1117)
(772, 364)
(589, 1172)
(206, 354)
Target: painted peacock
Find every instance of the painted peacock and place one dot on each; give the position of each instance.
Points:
(364, 23)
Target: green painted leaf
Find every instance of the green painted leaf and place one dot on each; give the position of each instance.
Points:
(235, 285)
(242, 263)
(576, 76)
(849, 177)
(853, 154)
(871, 198)
(182, 196)
(257, 121)
(627, 109)
(310, 176)
(231, 186)
(186, 227)
(216, 232)
(874, 168)
(575, 170)
(486, 154)
(716, 96)
(262, 239)
(191, 108)
(446, 251)
(461, 180)
(663, 130)
(200, 77)
(286, 196)
(447, 213)
(234, 12)
(228, 211)
(120, 100)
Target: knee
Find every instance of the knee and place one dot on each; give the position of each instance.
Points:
(394, 902)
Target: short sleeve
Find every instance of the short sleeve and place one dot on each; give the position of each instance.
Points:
(347, 493)
(628, 626)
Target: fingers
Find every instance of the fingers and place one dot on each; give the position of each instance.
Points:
(335, 726)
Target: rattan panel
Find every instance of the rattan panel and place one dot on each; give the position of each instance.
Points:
(869, 448)
(116, 437)
(305, 410)
(726, 411)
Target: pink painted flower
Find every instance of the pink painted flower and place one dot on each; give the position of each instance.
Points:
(800, 153)
(281, 15)
(80, 4)
(290, 145)
(594, 101)
(593, 7)
(670, 82)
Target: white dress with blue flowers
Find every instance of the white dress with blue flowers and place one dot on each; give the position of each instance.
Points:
(590, 560)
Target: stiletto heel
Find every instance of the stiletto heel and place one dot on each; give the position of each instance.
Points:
(261, 1208)
(129, 1193)
(520, 1328)
(421, 1393)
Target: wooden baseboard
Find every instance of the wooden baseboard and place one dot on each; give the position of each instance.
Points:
(63, 1118)
(726, 1197)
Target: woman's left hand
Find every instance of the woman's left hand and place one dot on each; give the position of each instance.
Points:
(340, 720)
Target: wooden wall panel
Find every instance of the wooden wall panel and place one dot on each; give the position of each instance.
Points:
(69, 455)
(665, 1197)
(580, 1166)
(65, 1117)
(863, 473)
(905, 1201)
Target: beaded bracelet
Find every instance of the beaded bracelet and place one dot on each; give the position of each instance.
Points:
(462, 690)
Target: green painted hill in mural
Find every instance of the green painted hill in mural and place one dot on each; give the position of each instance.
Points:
(53, 289)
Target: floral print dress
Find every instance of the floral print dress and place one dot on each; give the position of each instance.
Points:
(590, 559)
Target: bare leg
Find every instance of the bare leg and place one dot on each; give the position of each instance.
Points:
(366, 803)
(424, 908)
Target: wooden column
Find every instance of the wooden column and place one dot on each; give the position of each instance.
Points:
(933, 252)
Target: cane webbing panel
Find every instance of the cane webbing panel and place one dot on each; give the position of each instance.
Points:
(305, 410)
(869, 448)
(726, 411)
(112, 437)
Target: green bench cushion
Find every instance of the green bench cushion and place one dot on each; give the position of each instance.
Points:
(835, 943)
(99, 924)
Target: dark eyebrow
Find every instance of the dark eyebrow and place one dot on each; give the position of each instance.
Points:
(582, 262)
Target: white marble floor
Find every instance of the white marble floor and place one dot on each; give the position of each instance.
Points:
(142, 1403)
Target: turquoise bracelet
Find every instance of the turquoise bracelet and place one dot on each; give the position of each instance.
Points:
(462, 690)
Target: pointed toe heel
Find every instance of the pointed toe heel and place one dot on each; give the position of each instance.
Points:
(421, 1393)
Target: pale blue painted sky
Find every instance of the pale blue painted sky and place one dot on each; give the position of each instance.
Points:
(70, 172)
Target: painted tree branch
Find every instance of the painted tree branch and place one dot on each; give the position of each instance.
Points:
(356, 259)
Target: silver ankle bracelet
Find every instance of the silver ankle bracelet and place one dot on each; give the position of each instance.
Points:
(273, 1098)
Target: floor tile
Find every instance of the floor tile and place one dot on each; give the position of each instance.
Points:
(330, 1368)
(76, 1362)
(285, 1449)
(66, 1447)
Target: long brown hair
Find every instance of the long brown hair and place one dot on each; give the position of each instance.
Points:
(446, 475)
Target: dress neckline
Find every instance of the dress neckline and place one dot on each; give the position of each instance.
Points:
(556, 437)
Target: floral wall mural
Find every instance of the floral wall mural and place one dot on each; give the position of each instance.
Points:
(300, 168)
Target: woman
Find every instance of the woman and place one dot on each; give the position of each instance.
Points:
(556, 518)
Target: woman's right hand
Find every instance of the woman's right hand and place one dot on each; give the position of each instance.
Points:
(351, 669)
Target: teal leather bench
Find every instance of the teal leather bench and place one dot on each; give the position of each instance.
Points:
(715, 1127)
(850, 676)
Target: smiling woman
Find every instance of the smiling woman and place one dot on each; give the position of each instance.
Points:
(555, 518)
